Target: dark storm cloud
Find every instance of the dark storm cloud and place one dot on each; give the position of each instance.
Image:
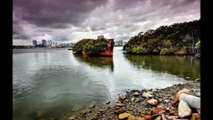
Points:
(71, 20)
(21, 37)
(54, 13)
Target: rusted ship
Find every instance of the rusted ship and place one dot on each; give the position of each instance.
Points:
(107, 51)
(99, 47)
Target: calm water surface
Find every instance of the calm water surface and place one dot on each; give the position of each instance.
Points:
(61, 84)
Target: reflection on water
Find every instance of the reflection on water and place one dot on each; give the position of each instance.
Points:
(102, 62)
(56, 81)
(183, 67)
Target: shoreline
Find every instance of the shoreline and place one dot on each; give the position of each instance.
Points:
(140, 105)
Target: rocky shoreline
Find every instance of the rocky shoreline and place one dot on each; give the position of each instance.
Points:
(147, 104)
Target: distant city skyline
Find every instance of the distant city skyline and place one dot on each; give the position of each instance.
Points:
(69, 21)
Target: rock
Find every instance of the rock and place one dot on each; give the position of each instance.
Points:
(163, 117)
(176, 99)
(108, 102)
(195, 116)
(147, 94)
(152, 102)
(173, 111)
(71, 118)
(41, 113)
(138, 100)
(187, 78)
(157, 110)
(121, 97)
(131, 117)
(132, 99)
(158, 118)
(147, 117)
(123, 115)
(119, 111)
(119, 104)
(92, 106)
(192, 101)
(198, 79)
(136, 93)
(183, 109)
(140, 118)
(172, 117)
(166, 101)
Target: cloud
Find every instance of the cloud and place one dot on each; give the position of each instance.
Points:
(72, 20)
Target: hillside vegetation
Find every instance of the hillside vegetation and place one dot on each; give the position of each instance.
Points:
(177, 39)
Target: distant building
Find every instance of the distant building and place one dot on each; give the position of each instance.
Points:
(100, 36)
(34, 43)
(44, 43)
(119, 43)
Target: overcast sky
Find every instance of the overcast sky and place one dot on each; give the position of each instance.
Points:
(72, 20)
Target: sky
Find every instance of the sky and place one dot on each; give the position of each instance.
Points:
(72, 20)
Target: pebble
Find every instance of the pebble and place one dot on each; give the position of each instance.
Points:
(119, 104)
(152, 102)
(123, 115)
(147, 94)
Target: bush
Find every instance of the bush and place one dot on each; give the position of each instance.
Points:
(90, 45)
(166, 51)
(181, 52)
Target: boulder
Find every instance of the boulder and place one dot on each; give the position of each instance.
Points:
(183, 109)
(152, 102)
(123, 116)
(192, 101)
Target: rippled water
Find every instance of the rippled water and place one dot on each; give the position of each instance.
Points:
(60, 83)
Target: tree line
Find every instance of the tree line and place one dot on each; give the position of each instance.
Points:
(176, 39)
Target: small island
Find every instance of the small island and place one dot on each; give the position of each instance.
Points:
(94, 47)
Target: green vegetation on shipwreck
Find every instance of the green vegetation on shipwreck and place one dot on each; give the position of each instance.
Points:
(90, 45)
(177, 39)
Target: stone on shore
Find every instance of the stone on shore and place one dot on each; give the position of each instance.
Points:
(119, 111)
(157, 110)
(133, 99)
(152, 102)
(71, 118)
(163, 117)
(131, 117)
(158, 118)
(119, 104)
(123, 116)
(183, 109)
(147, 94)
(136, 93)
(121, 97)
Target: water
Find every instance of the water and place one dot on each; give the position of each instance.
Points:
(61, 84)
